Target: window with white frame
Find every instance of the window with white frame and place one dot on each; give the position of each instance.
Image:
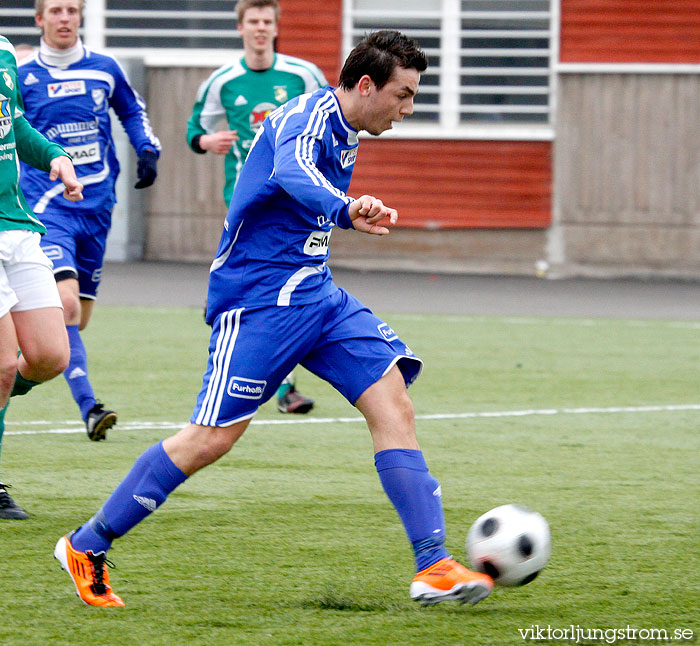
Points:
(138, 24)
(489, 60)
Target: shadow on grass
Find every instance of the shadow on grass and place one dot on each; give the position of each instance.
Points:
(332, 599)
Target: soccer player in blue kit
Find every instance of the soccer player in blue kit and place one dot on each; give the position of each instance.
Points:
(270, 274)
(68, 91)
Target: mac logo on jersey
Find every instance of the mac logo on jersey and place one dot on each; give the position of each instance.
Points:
(8, 80)
(348, 157)
(387, 332)
(67, 88)
(317, 243)
(85, 154)
(246, 388)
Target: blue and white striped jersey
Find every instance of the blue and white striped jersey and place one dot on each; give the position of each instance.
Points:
(290, 195)
(70, 106)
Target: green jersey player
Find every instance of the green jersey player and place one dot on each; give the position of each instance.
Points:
(31, 317)
(242, 94)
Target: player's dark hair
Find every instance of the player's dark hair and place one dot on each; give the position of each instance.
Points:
(378, 55)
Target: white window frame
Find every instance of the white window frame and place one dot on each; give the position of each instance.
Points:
(448, 14)
(95, 33)
(449, 126)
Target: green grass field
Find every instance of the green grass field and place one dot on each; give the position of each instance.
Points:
(289, 539)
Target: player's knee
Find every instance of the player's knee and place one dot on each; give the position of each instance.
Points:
(401, 408)
(51, 363)
(8, 372)
(71, 309)
(207, 446)
(60, 361)
(218, 444)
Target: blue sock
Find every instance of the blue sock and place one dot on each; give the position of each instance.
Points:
(76, 373)
(417, 498)
(145, 488)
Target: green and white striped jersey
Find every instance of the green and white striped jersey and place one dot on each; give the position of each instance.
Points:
(243, 98)
(18, 140)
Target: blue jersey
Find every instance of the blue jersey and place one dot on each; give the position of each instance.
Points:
(70, 105)
(289, 197)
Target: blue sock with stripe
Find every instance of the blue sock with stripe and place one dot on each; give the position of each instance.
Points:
(152, 478)
(417, 497)
(76, 374)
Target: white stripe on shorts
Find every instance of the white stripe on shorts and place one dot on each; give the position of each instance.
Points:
(225, 343)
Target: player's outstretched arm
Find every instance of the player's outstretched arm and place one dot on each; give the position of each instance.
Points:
(62, 168)
(366, 212)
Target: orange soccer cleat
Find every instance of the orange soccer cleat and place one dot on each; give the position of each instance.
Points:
(88, 572)
(448, 580)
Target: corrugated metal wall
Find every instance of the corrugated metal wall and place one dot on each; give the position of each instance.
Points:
(630, 31)
(628, 173)
(454, 184)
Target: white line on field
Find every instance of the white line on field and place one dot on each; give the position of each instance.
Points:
(78, 427)
(548, 320)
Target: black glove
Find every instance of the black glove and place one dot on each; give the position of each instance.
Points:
(147, 169)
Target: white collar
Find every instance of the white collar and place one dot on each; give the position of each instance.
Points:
(61, 57)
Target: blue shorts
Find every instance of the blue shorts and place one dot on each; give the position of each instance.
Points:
(252, 350)
(76, 246)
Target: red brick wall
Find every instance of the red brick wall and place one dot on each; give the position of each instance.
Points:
(447, 184)
(453, 184)
(630, 31)
(312, 29)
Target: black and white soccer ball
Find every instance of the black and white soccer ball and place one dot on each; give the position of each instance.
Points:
(510, 543)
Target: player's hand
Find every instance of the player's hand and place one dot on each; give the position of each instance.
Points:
(62, 168)
(220, 142)
(147, 168)
(367, 211)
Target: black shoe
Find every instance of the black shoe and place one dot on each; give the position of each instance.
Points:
(294, 402)
(99, 421)
(9, 508)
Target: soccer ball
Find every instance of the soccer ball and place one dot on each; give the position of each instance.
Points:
(510, 543)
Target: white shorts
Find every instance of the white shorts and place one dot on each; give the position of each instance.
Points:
(26, 274)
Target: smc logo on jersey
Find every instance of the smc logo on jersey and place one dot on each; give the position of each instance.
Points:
(348, 157)
(246, 388)
(317, 243)
(67, 88)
